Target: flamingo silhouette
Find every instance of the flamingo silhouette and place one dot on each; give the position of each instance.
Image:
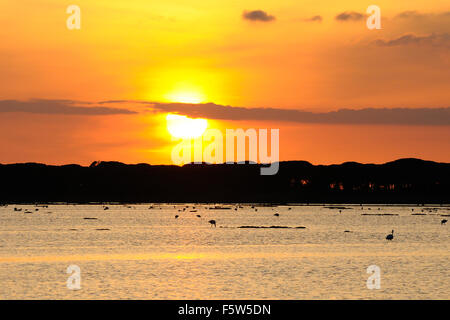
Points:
(390, 236)
(212, 222)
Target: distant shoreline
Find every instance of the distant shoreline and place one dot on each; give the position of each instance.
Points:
(323, 204)
(401, 182)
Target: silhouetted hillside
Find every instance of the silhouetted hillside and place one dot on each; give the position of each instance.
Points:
(401, 181)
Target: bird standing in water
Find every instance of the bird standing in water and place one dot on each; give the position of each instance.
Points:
(390, 236)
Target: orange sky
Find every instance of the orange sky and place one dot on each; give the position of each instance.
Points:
(205, 51)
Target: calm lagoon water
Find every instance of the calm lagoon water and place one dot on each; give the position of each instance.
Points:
(145, 253)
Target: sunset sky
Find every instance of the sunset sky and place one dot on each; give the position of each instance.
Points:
(309, 68)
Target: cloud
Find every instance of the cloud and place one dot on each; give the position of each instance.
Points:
(413, 14)
(349, 16)
(257, 15)
(435, 40)
(426, 23)
(66, 107)
(399, 116)
(314, 19)
(409, 14)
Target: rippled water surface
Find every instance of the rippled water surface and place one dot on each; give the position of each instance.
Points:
(143, 252)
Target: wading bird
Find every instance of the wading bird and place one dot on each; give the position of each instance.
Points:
(390, 236)
(444, 221)
(212, 222)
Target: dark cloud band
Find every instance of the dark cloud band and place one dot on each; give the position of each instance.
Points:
(66, 107)
(393, 116)
(399, 116)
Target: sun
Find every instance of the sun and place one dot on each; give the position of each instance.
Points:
(184, 127)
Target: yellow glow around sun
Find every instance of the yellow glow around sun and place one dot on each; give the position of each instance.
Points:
(185, 85)
(184, 127)
(185, 97)
(185, 92)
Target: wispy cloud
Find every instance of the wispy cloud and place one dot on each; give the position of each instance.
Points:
(413, 14)
(399, 116)
(257, 15)
(313, 19)
(350, 16)
(435, 40)
(66, 107)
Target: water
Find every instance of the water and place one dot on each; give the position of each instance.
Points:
(148, 254)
